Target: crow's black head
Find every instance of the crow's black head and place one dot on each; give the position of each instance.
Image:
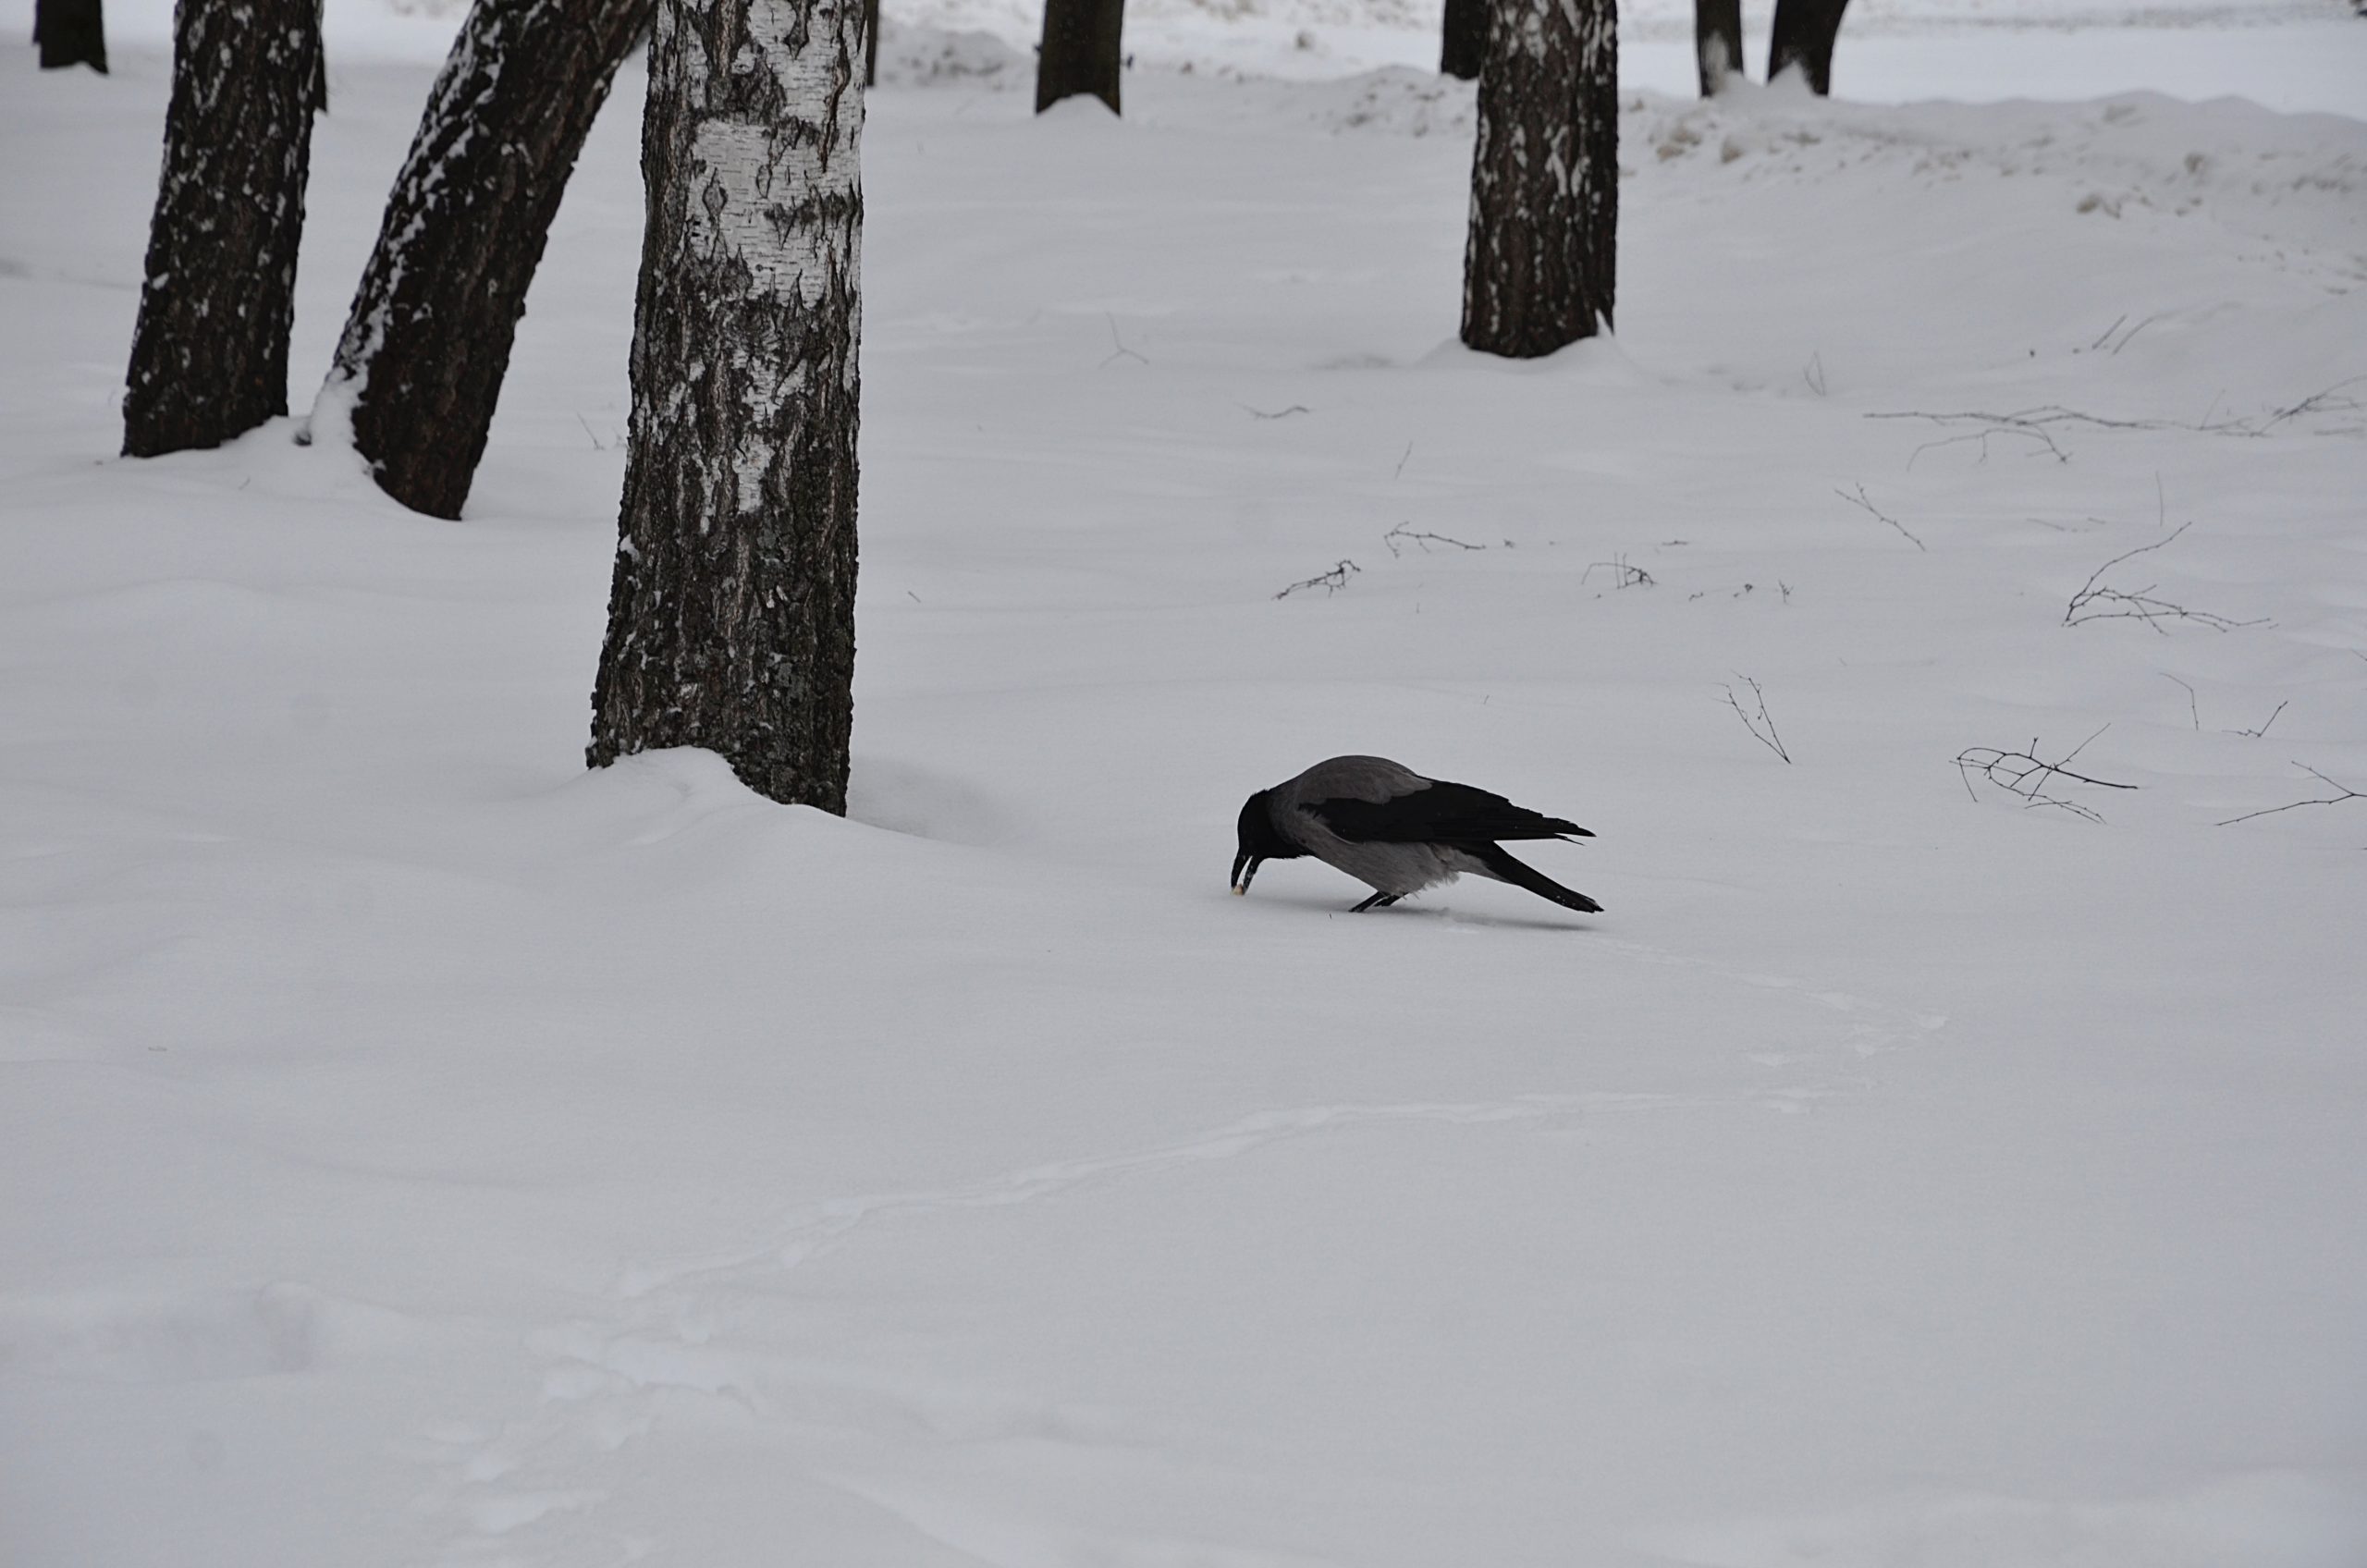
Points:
(1260, 840)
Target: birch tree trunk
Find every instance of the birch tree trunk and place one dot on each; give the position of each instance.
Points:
(731, 612)
(1803, 40)
(70, 32)
(1082, 51)
(418, 369)
(1539, 270)
(1717, 42)
(1463, 39)
(209, 357)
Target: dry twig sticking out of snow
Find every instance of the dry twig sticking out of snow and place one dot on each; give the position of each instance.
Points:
(2347, 793)
(1762, 727)
(2140, 604)
(2021, 773)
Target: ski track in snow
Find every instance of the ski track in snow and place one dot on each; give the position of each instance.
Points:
(601, 1381)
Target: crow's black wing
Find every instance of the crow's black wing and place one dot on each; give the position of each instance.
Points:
(1443, 814)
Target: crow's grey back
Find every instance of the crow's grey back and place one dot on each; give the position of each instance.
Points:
(1371, 779)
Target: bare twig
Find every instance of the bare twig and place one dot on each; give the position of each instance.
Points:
(1329, 581)
(1404, 531)
(2023, 774)
(587, 431)
(1623, 574)
(2127, 337)
(2193, 711)
(1813, 374)
(2262, 731)
(1121, 351)
(1983, 437)
(2348, 794)
(1278, 413)
(1401, 460)
(2323, 402)
(1859, 500)
(1762, 727)
(2140, 604)
(2037, 420)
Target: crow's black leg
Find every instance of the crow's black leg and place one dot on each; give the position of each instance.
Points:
(1378, 900)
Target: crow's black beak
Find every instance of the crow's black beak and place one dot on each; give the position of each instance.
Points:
(1244, 866)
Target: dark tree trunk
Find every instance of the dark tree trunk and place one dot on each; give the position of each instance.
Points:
(1463, 39)
(731, 613)
(871, 42)
(70, 32)
(1717, 42)
(1539, 271)
(421, 362)
(1803, 41)
(209, 358)
(1081, 51)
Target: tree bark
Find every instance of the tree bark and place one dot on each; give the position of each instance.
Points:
(70, 32)
(1717, 42)
(1463, 39)
(1802, 40)
(1081, 52)
(1539, 269)
(871, 42)
(420, 366)
(209, 357)
(731, 612)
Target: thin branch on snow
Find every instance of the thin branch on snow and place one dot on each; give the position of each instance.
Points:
(1623, 574)
(2140, 604)
(1813, 374)
(2106, 336)
(1859, 500)
(1994, 429)
(1403, 459)
(1329, 581)
(2347, 793)
(1278, 413)
(2193, 712)
(1121, 351)
(1762, 728)
(2035, 423)
(1406, 533)
(2329, 400)
(2262, 731)
(2023, 774)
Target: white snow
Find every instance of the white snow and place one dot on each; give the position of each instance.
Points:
(418, 1150)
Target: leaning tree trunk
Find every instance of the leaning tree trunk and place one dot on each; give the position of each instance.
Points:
(1717, 42)
(1538, 271)
(731, 612)
(70, 32)
(1463, 39)
(419, 368)
(209, 358)
(871, 42)
(1081, 51)
(1802, 40)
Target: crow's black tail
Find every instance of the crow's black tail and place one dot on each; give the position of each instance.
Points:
(1503, 868)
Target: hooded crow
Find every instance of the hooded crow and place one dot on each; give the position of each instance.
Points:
(1395, 831)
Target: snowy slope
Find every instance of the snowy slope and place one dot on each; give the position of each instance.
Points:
(421, 1151)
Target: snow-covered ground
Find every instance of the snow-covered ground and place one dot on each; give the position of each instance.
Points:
(418, 1151)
